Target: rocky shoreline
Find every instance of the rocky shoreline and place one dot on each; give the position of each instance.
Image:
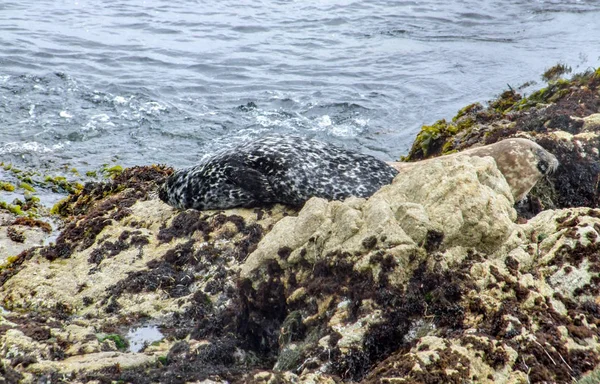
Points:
(438, 277)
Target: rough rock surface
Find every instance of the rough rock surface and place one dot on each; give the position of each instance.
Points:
(433, 279)
(18, 234)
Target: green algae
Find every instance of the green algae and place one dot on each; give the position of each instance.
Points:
(429, 133)
(120, 342)
(435, 135)
(26, 186)
(433, 140)
(505, 102)
(61, 184)
(5, 186)
(112, 171)
(15, 209)
(465, 123)
(60, 208)
(30, 197)
(466, 111)
(9, 262)
(555, 91)
(555, 72)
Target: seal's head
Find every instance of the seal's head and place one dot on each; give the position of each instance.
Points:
(522, 162)
(547, 162)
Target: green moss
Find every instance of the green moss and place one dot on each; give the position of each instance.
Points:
(91, 174)
(505, 101)
(6, 186)
(16, 209)
(465, 124)
(162, 360)
(541, 237)
(59, 208)
(8, 262)
(120, 342)
(466, 110)
(26, 186)
(112, 171)
(61, 183)
(429, 133)
(552, 93)
(555, 72)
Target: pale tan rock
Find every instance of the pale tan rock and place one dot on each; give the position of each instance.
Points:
(591, 123)
(72, 280)
(15, 343)
(466, 198)
(92, 362)
(33, 237)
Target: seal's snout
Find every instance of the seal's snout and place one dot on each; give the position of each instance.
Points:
(547, 163)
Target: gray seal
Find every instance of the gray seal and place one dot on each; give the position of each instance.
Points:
(276, 169)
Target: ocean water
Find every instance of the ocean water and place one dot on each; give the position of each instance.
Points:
(87, 82)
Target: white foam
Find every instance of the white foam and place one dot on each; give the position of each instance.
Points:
(65, 114)
(267, 121)
(361, 122)
(349, 129)
(324, 121)
(103, 117)
(152, 108)
(29, 146)
(120, 100)
(98, 120)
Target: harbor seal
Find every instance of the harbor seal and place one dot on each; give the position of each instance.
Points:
(522, 162)
(275, 169)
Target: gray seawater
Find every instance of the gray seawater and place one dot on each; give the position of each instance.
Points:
(90, 82)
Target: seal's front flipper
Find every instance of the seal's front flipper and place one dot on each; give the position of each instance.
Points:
(251, 181)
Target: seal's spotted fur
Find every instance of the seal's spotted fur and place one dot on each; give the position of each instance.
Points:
(276, 169)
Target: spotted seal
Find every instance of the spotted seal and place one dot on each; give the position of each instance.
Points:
(275, 169)
(522, 162)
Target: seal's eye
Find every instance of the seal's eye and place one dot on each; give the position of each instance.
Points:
(543, 166)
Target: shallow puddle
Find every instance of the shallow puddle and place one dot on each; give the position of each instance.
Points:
(141, 336)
